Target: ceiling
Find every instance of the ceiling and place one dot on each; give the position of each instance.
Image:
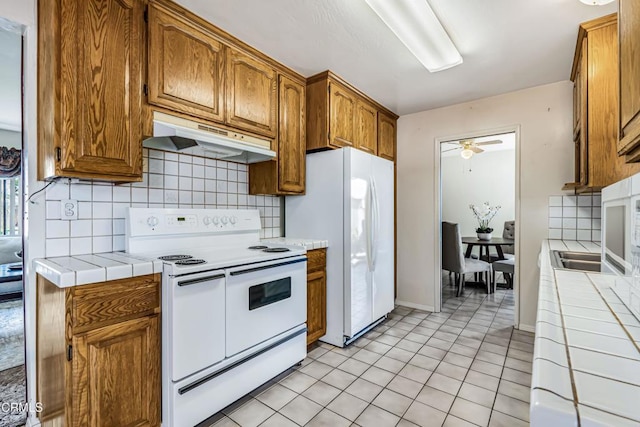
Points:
(450, 148)
(10, 80)
(506, 44)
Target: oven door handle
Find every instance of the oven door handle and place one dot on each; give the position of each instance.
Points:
(200, 280)
(267, 267)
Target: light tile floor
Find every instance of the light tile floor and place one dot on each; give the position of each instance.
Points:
(464, 366)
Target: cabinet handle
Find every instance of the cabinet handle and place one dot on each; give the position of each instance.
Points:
(69, 352)
(203, 279)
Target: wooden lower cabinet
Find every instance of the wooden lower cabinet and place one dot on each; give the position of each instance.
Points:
(98, 353)
(316, 294)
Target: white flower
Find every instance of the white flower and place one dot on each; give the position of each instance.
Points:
(484, 215)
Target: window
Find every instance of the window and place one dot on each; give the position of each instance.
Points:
(10, 199)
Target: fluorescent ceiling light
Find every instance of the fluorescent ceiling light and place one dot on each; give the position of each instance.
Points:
(415, 24)
(596, 2)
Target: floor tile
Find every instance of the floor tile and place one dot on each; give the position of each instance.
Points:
(424, 362)
(378, 347)
(516, 376)
(317, 352)
(393, 402)
(432, 352)
(301, 410)
(278, 420)
(316, 369)
(364, 389)
(476, 394)
(519, 365)
(453, 421)
(331, 358)
(400, 354)
(339, 379)
(436, 398)
(276, 396)
(354, 367)
(367, 356)
(415, 373)
(510, 406)
(388, 339)
(446, 384)
(487, 356)
(348, 406)
(482, 380)
(378, 376)
(251, 414)
(225, 421)
(486, 368)
(452, 371)
(389, 364)
(463, 350)
(498, 419)
(405, 386)
(376, 417)
(424, 415)
(471, 412)
(321, 393)
(327, 418)
(408, 345)
(514, 390)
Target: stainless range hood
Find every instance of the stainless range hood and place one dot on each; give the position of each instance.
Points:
(172, 133)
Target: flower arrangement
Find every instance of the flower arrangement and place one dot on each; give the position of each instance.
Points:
(484, 214)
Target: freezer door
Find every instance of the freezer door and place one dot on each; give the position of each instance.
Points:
(382, 240)
(357, 244)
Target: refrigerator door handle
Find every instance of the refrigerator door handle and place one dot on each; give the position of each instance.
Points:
(368, 224)
(375, 213)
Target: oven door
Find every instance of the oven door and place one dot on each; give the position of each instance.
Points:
(264, 300)
(196, 322)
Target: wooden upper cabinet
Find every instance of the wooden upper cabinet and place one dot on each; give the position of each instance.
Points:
(252, 96)
(342, 116)
(366, 127)
(629, 33)
(186, 66)
(90, 89)
(291, 137)
(386, 136)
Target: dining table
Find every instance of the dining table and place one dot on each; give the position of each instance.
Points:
(485, 245)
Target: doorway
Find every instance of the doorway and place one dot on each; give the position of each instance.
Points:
(12, 342)
(473, 170)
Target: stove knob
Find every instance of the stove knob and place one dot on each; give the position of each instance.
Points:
(152, 221)
(215, 220)
(224, 220)
(233, 220)
(206, 220)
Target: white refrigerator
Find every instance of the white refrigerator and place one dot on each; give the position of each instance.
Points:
(349, 201)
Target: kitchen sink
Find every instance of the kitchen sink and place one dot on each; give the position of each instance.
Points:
(580, 261)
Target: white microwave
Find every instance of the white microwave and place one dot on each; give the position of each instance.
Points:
(617, 228)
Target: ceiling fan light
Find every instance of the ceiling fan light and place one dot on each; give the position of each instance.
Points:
(596, 2)
(466, 153)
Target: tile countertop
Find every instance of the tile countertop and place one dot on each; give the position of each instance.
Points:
(586, 367)
(309, 244)
(84, 269)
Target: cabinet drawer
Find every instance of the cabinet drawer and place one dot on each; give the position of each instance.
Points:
(316, 259)
(111, 302)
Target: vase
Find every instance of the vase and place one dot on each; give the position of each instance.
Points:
(484, 236)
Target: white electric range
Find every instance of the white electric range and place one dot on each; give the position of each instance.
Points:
(233, 309)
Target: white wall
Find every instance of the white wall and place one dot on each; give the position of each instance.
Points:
(9, 138)
(487, 177)
(544, 114)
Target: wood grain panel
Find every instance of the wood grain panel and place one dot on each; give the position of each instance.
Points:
(101, 88)
(316, 259)
(366, 127)
(629, 32)
(252, 96)
(291, 137)
(101, 304)
(116, 376)
(316, 306)
(386, 136)
(186, 66)
(342, 116)
(317, 115)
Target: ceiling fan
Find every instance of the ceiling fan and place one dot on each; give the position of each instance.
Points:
(469, 147)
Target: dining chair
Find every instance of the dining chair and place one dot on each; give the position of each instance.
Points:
(453, 259)
(508, 232)
(507, 267)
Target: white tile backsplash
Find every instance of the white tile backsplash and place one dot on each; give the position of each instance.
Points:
(575, 217)
(173, 181)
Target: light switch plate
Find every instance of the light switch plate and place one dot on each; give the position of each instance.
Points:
(68, 210)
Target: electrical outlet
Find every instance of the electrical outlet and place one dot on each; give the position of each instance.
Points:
(68, 210)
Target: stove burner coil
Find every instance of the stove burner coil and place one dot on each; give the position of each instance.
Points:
(276, 250)
(190, 261)
(258, 247)
(174, 257)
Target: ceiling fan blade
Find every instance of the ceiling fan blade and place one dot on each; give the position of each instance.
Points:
(476, 149)
(451, 149)
(492, 142)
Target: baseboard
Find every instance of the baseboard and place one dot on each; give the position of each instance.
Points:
(414, 305)
(32, 422)
(527, 328)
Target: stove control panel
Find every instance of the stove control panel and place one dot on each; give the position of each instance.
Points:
(158, 222)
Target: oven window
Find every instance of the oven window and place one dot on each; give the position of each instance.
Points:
(268, 293)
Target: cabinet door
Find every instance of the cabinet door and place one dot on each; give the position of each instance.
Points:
(316, 306)
(186, 66)
(101, 88)
(629, 31)
(252, 98)
(367, 127)
(116, 375)
(291, 137)
(342, 116)
(386, 136)
(582, 134)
